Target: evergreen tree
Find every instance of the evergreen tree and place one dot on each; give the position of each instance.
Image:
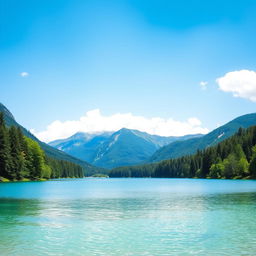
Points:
(252, 166)
(37, 157)
(22, 157)
(17, 161)
(234, 157)
(5, 168)
(216, 169)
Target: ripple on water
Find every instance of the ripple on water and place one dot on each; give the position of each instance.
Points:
(134, 221)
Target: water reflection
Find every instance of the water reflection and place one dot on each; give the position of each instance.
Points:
(136, 222)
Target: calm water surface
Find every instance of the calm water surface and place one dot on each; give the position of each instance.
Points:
(128, 217)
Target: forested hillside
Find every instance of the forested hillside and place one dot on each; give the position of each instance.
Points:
(49, 151)
(23, 158)
(235, 157)
(189, 147)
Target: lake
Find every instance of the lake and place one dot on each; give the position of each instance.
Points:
(132, 217)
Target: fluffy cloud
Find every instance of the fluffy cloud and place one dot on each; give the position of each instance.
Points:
(203, 85)
(240, 83)
(93, 121)
(24, 74)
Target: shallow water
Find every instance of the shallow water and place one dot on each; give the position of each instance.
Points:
(128, 217)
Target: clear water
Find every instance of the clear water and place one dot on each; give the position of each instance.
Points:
(128, 217)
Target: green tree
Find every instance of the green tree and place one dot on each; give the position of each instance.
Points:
(252, 166)
(243, 167)
(37, 159)
(230, 166)
(17, 160)
(242, 163)
(5, 168)
(216, 170)
(47, 171)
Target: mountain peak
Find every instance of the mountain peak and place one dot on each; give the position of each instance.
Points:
(122, 130)
(112, 149)
(80, 135)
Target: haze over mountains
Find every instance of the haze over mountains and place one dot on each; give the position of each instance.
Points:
(109, 150)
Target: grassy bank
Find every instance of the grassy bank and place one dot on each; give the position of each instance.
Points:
(2, 179)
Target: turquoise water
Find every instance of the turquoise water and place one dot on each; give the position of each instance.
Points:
(128, 217)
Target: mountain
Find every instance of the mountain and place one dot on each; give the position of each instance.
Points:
(49, 151)
(187, 147)
(112, 149)
(233, 158)
(125, 147)
(82, 145)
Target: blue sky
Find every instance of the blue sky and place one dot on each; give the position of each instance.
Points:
(125, 56)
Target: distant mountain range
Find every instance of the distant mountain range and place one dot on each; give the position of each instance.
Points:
(113, 149)
(129, 147)
(49, 151)
(187, 147)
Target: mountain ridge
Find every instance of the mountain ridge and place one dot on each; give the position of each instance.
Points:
(112, 149)
(50, 151)
(182, 148)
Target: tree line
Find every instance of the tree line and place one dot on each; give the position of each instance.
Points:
(233, 158)
(23, 158)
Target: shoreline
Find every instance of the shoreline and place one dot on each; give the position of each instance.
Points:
(5, 180)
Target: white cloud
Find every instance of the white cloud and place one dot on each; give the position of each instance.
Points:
(240, 83)
(24, 74)
(94, 121)
(203, 85)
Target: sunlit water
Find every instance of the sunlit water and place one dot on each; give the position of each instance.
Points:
(128, 217)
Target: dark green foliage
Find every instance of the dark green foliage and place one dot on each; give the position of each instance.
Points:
(234, 157)
(22, 157)
(190, 146)
(16, 158)
(48, 150)
(252, 166)
(139, 171)
(64, 169)
(4, 149)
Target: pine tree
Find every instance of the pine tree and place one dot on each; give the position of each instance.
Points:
(37, 159)
(26, 157)
(252, 166)
(17, 162)
(5, 170)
